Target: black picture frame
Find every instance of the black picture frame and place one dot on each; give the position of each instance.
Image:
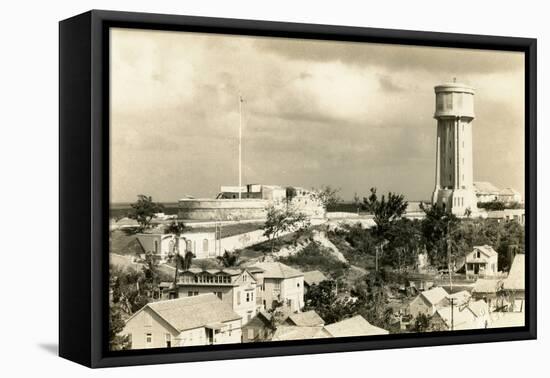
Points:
(84, 186)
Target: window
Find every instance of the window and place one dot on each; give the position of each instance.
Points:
(168, 340)
(189, 293)
(189, 246)
(205, 245)
(130, 341)
(148, 338)
(244, 277)
(238, 297)
(156, 246)
(277, 285)
(230, 329)
(250, 334)
(298, 284)
(248, 297)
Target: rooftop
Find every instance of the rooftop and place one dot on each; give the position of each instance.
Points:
(356, 326)
(277, 270)
(193, 312)
(485, 187)
(435, 295)
(309, 319)
(516, 277)
(484, 285)
(299, 333)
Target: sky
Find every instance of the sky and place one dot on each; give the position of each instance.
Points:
(315, 113)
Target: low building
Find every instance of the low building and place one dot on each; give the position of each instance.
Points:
(470, 316)
(486, 192)
(514, 284)
(305, 319)
(313, 277)
(355, 326)
(487, 290)
(460, 298)
(509, 195)
(238, 288)
(259, 328)
(281, 285)
(198, 320)
(508, 215)
(427, 302)
(482, 261)
(201, 244)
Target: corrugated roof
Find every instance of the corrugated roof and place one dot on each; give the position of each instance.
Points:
(516, 277)
(314, 277)
(356, 326)
(309, 318)
(277, 270)
(193, 312)
(435, 295)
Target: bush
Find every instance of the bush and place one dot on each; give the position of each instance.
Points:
(316, 257)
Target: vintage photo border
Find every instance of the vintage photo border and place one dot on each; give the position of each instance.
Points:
(84, 271)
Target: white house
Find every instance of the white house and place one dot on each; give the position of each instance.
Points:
(482, 261)
(282, 284)
(237, 288)
(486, 192)
(469, 316)
(508, 195)
(427, 302)
(197, 320)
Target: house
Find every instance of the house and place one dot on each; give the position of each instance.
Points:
(198, 320)
(487, 289)
(237, 288)
(281, 284)
(305, 319)
(201, 244)
(313, 277)
(427, 302)
(482, 261)
(514, 284)
(509, 195)
(469, 316)
(286, 332)
(507, 215)
(259, 328)
(355, 326)
(486, 192)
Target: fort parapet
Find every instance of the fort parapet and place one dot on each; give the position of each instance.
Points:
(222, 209)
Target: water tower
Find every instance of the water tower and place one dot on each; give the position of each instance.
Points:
(454, 112)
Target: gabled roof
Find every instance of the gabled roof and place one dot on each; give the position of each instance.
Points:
(516, 277)
(487, 250)
(435, 295)
(309, 318)
(192, 312)
(356, 326)
(509, 192)
(462, 317)
(299, 333)
(278, 270)
(485, 187)
(484, 285)
(314, 277)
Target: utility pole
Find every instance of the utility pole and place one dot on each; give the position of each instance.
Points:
(240, 142)
(452, 313)
(449, 256)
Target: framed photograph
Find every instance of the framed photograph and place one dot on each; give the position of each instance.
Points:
(234, 188)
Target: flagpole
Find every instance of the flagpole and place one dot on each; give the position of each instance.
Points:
(240, 142)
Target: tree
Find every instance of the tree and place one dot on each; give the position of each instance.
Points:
(144, 210)
(290, 194)
(229, 259)
(405, 239)
(327, 196)
(372, 293)
(280, 220)
(323, 300)
(436, 231)
(116, 325)
(421, 323)
(176, 229)
(385, 211)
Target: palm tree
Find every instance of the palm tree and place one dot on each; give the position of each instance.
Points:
(229, 259)
(176, 229)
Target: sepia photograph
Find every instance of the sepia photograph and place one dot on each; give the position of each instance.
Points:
(269, 189)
